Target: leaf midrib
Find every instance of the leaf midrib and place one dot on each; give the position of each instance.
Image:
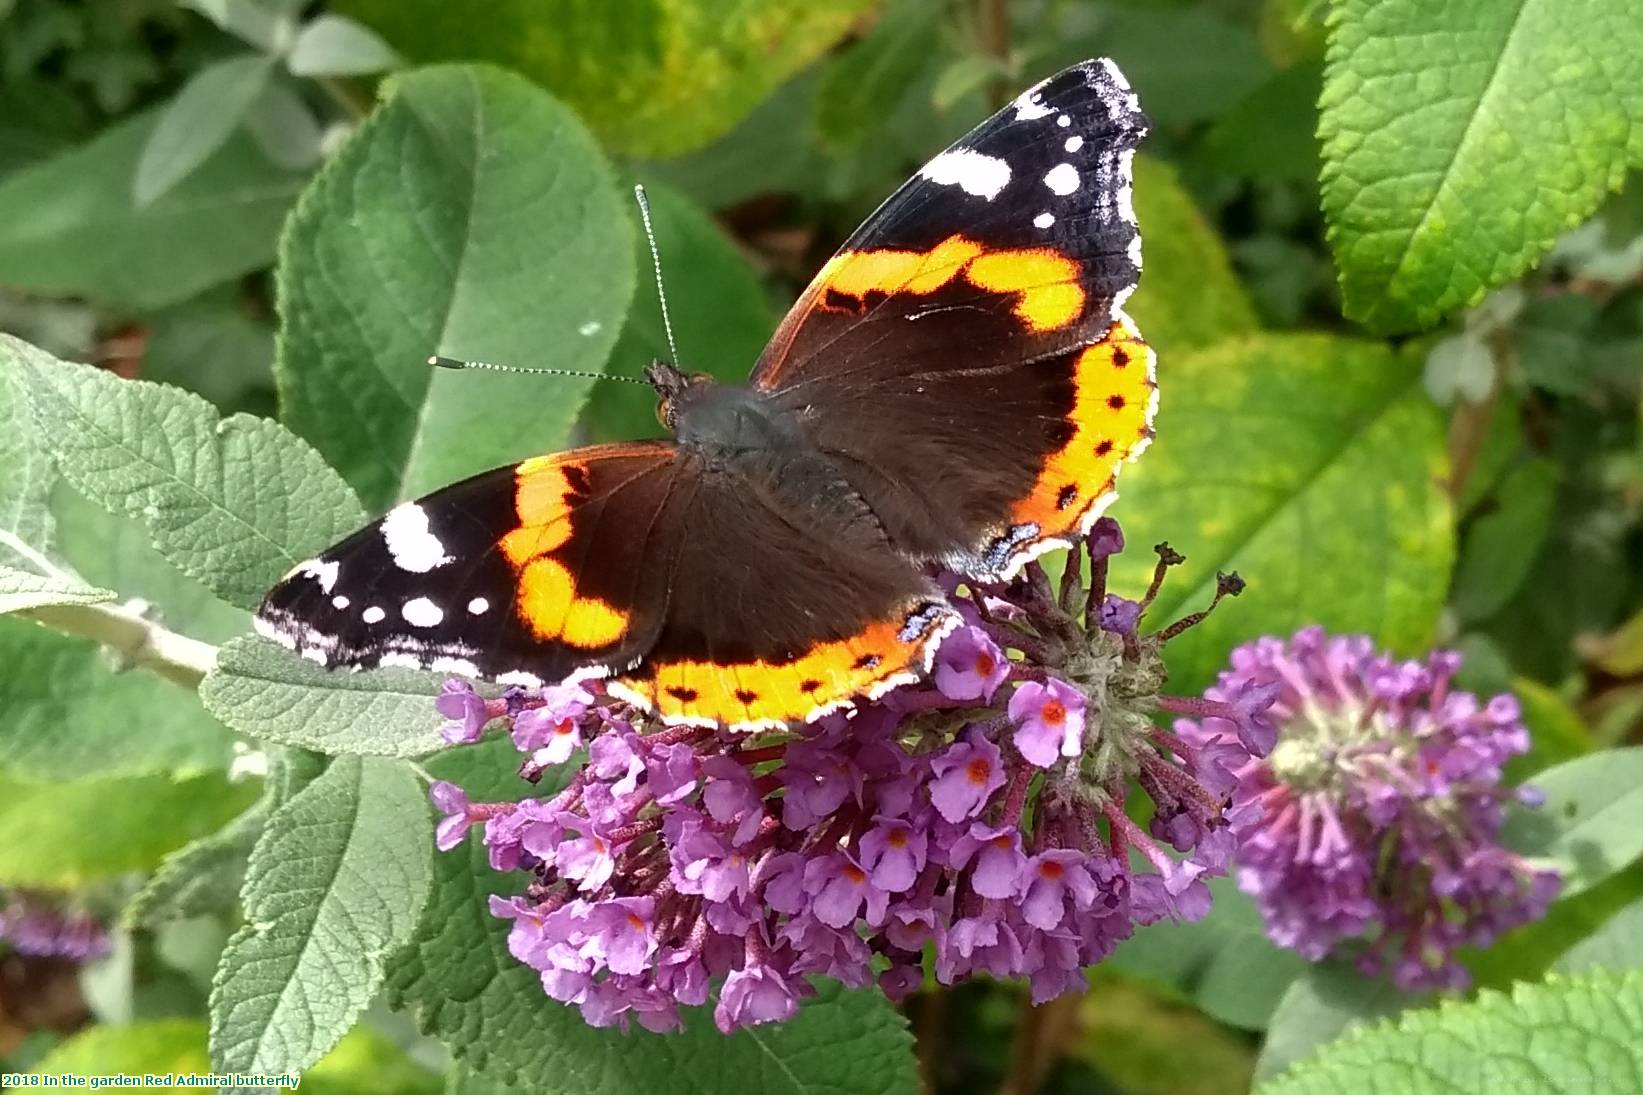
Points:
(1447, 174)
(312, 921)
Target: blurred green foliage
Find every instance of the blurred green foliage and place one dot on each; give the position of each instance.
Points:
(1394, 276)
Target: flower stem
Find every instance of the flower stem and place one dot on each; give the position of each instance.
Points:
(137, 641)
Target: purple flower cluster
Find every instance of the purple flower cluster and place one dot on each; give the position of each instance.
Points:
(982, 814)
(1377, 815)
(39, 927)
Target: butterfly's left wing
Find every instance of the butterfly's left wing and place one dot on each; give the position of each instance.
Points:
(965, 358)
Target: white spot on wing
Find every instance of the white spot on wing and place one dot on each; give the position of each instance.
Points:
(372, 615)
(1074, 143)
(421, 612)
(323, 571)
(1064, 121)
(1043, 220)
(1062, 179)
(519, 677)
(413, 546)
(971, 171)
(339, 601)
(1029, 106)
(478, 605)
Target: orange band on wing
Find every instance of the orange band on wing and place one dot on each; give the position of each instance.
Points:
(1112, 423)
(826, 676)
(546, 599)
(1043, 280)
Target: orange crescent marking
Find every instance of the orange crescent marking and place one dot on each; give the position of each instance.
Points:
(825, 675)
(1112, 423)
(1043, 281)
(546, 598)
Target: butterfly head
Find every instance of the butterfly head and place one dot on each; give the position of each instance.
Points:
(679, 391)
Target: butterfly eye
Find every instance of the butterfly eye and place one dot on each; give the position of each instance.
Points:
(664, 413)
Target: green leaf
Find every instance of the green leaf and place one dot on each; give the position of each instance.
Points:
(1310, 465)
(471, 216)
(215, 347)
(1271, 133)
(204, 876)
(334, 45)
(264, 691)
(233, 502)
(724, 338)
(1460, 140)
(652, 78)
(115, 552)
(24, 589)
(368, 1063)
(773, 149)
(284, 128)
(364, 1063)
(1223, 963)
(70, 715)
(1588, 826)
(26, 474)
(1570, 1034)
(249, 20)
(1501, 544)
(65, 835)
(468, 991)
(1617, 945)
(1556, 731)
(861, 86)
(1227, 62)
(69, 225)
(1527, 952)
(1321, 1005)
(165, 1046)
(1189, 296)
(335, 886)
(198, 121)
(1621, 651)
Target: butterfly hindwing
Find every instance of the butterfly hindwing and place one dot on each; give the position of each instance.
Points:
(776, 614)
(966, 356)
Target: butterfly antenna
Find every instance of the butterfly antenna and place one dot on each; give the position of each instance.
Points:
(453, 363)
(656, 265)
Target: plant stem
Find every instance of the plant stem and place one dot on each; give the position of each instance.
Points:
(137, 641)
(995, 43)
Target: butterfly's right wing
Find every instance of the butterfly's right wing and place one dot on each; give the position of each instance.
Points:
(530, 574)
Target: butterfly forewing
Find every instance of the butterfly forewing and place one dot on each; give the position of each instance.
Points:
(966, 354)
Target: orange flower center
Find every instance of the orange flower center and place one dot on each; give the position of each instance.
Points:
(854, 874)
(978, 770)
(1051, 869)
(897, 838)
(984, 663)
(1053, 713)
(565, 726)
(635, 922)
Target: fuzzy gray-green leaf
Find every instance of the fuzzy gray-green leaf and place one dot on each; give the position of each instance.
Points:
(335, 886)
(232, 502)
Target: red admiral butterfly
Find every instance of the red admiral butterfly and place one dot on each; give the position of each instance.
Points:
(957, 387)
